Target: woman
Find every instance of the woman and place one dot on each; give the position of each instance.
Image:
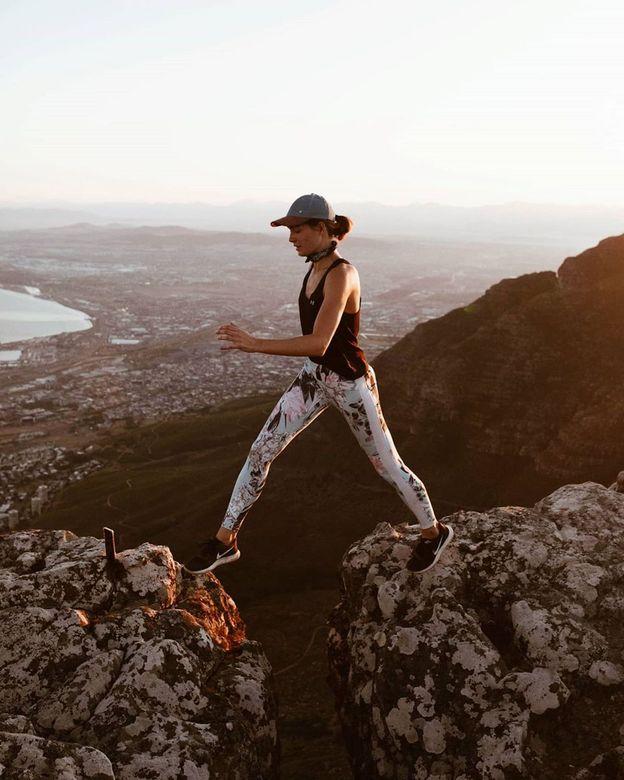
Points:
(335, 372)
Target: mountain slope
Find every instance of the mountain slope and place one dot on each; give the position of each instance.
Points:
(506, 398)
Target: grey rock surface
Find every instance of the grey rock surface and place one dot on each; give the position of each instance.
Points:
(505, 660)
(125, 670)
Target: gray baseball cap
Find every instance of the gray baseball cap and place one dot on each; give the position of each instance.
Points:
(306, 207)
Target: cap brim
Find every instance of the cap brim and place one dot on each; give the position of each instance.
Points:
(289, 221)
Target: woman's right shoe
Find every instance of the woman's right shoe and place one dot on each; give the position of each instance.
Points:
(211, 554)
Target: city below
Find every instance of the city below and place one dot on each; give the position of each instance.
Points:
(155, 298)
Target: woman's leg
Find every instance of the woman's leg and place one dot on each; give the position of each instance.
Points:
(358, 402)
(299, 405)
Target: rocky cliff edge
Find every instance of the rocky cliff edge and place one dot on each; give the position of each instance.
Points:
(125, 669)
(503, 661)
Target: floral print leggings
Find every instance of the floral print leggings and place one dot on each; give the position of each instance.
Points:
(314, 388)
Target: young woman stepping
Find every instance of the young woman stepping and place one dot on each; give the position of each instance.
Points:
(335, 372)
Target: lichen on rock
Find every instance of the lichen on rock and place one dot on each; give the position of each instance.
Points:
(483, 666)
(125, 669)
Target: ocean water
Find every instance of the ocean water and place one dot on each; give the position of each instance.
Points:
(27, 316)
(10, 355)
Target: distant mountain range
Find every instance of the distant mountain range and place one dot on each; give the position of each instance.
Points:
(509, 222)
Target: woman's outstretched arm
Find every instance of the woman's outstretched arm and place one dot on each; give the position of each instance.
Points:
(240, 339)
(297, 345)
(336, 293)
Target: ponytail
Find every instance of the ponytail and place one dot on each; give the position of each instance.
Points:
(337, 228)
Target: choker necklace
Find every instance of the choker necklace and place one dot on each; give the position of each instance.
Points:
(323, 253)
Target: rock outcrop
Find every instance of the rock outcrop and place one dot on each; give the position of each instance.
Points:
(504, 660)
(500, 401)
(125, 669)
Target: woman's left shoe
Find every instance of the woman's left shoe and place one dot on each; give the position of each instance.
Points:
(428, 551)
(211, 554)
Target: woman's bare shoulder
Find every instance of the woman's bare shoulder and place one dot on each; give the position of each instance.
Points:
(343, 273)
(351, 270)
(347, 274)
(347, 265)
(346, 271)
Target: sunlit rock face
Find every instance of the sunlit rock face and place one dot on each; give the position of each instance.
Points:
(504, 660)
(500, 401)
(125, 670)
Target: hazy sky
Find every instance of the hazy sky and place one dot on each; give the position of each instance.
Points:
(457, 101)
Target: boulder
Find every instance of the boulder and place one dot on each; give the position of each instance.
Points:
(125, 669)
(504, 660)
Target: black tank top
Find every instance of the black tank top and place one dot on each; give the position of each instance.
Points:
(343, 355)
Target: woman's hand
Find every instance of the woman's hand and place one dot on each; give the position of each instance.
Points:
(239, 338)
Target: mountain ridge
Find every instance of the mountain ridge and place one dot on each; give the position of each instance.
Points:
(494, 403)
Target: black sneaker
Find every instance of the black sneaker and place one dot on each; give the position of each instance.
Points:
(211, 554)
(428, 551)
